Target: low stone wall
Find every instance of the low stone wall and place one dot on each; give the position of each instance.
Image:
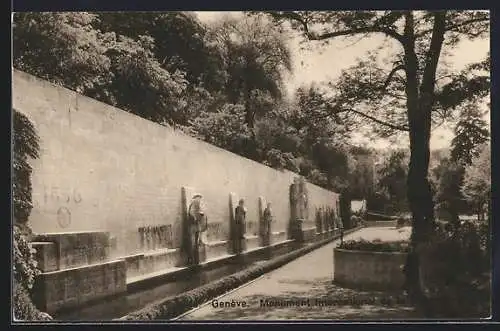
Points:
(381, 223)
(370, 270)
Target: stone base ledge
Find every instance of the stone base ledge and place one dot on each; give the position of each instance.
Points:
(278, 236)
(73, 287)
(152, 261)
(251, 242)
(309, 234)
(214, 249)
(150, 276)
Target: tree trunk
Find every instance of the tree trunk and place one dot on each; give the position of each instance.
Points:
(419, 103)
(419, 190)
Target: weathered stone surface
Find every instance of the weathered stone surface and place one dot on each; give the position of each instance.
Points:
(77, 249)
(46, 256)
(72, 287)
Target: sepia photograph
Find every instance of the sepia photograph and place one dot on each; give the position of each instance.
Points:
(183, 166)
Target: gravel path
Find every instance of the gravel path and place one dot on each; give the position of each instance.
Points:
(303, 289)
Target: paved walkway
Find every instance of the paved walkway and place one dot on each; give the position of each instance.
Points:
(304, 290)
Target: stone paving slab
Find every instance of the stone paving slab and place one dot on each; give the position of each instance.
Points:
(303, 289)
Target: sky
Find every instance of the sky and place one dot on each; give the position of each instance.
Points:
(325, 63)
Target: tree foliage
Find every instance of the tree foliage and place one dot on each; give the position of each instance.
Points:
(449, 176)
(256, 58)
(471, 133)
(392, 180)
(477, 180)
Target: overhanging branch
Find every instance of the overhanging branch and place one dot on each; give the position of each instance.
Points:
(378, 121)
(334, 111)
(375, 28)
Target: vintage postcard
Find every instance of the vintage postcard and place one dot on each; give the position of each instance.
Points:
(261, 166)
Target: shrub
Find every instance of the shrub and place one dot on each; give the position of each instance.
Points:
(375, 246)
(25, 265)
(24, 309)
(25, 146)
(455, 270)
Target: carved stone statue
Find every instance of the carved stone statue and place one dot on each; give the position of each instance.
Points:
(240, 213)
(267, 218)
(197, 224)
(302, 200)
(319, 223)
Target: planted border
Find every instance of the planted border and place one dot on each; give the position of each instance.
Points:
(174, 306)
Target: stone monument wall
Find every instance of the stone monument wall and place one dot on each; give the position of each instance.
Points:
(104, 169)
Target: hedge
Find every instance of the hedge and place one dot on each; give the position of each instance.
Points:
(174, 306)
